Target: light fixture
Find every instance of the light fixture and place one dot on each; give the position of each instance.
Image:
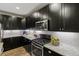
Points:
(55, 7)
(17, 8)
(36, 14)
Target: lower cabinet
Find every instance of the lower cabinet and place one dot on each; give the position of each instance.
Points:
(14, 42)
(48, 52)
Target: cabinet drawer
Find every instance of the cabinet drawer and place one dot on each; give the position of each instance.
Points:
(48, 52)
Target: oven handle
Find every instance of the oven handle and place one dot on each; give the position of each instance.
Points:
(36, 43)
(36, 46)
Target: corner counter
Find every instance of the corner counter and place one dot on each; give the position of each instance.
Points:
(63, 49)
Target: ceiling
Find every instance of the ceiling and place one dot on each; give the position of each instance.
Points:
(24, 8)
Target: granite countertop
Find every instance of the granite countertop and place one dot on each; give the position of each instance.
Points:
(63, 49)
(30, 37)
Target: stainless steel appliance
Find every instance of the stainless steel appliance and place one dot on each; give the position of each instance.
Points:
(36, 49)
(37, 46)
(42, 25)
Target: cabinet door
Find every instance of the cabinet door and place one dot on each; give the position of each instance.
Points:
(71, 17)
(10, 43)
(55, 22)
(30, 22)
(15, 23)
(18, 23)
(5, 21)
(10, 22)
(14, 42)
(6, 45)
(48, 52)
(23, 23)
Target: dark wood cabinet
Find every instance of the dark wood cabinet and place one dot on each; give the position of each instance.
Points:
(55, 19)
(15, 23)
(71, 17)
(48, 52)
(23, 24)
(55, 23)
(14, 42)
(4, 20)
(30, 22)
(66, 19)
(12, 23)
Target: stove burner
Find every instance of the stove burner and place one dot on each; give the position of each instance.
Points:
(41, 41)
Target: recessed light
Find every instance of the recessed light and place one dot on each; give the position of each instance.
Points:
(36, 14)
(17, 8)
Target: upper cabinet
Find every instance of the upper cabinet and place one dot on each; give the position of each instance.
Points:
(64, 17)
(4, 20)
(23, 23)
(30, 22)
(50, 13)
(15, 23)
(70, 14)
(55, 22)
(60, 16)
(12, 22)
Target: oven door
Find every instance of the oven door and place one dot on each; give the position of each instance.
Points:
(36, 50)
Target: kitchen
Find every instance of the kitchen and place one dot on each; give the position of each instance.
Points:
(39, 29)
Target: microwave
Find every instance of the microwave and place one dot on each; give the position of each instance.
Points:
(42, 25)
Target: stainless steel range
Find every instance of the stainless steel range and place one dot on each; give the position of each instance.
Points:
(37, 46)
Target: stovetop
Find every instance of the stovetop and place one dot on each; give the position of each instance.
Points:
(41, 41)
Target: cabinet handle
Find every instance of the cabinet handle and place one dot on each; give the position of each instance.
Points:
(49, 52)
(61, 29)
